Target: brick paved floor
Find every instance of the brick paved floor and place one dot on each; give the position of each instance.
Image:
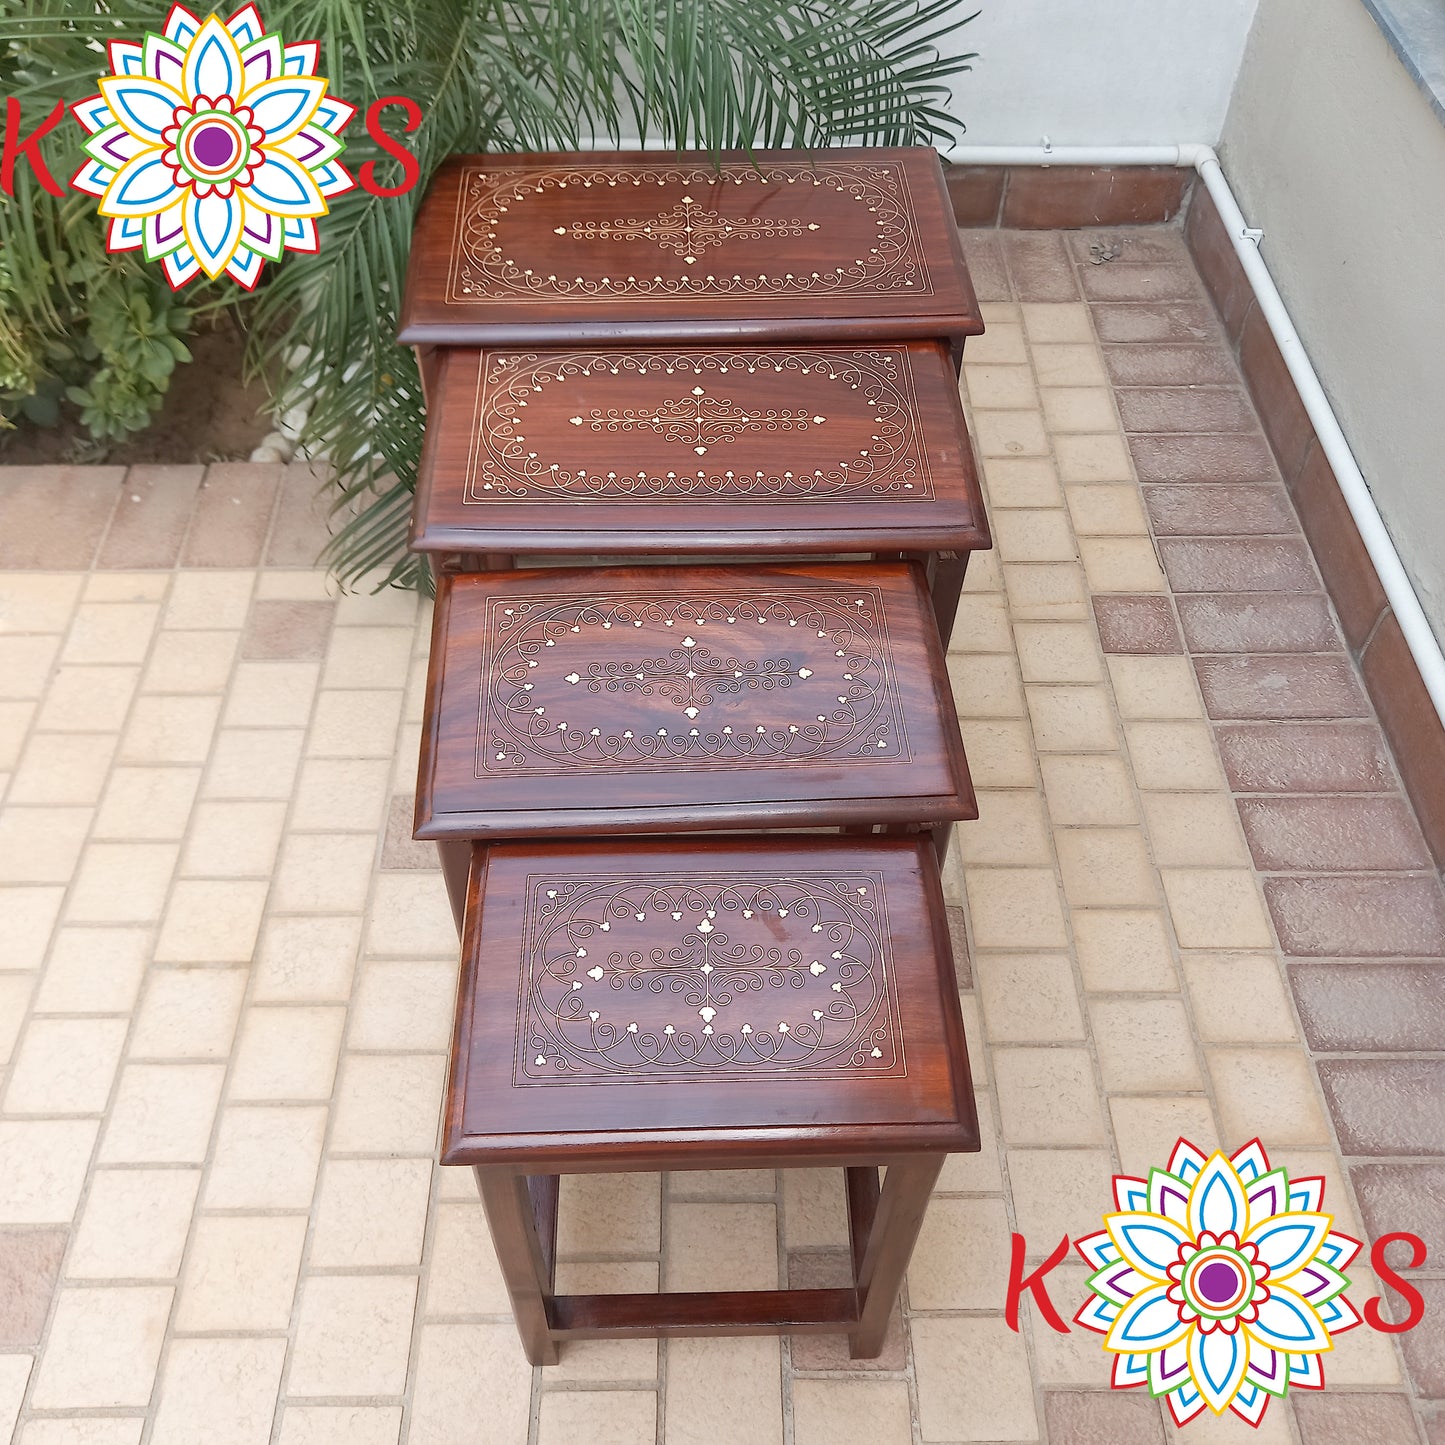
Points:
(1196, 902)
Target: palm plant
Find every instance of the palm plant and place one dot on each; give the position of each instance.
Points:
(489, 75)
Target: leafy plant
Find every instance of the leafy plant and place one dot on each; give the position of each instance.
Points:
(492, 75)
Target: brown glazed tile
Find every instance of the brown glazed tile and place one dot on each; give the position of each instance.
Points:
(1218, 265)
(1424, 1346)
(1259, 622)
(1358, 917)
(1228, 457)
(976, 193)
(1039, 264)
(29, 1268)
(1330, 1418)
(1280, 686)
(1190, 409)
(299, 530)
(1375, 1008)
(1412, 725)
(399, 850)
(1163, 364)
(1344, 564)
(1238, 564)
(1133, 321)
(1305, 758)
(1281, 412)
(983, 254)
(1397, 1198)
(1136, 624)
(829, 1269)
(1223, 510)
(52, 518)
(1333, 835)
(1099, 1417)
(233, 514)
(151, 518)
(1386, 1106)
(289, 631)
(958, 937)
(1063, 197)
(1113, 282)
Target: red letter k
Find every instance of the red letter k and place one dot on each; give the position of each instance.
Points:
(1018, 1282)
(28, 146)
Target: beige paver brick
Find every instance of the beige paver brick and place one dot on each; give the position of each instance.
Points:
(404, 1006)
(190, 662)
(1057, 1192)
(42, 1168)
(410, 917)
(233, 840)
(353, 1337)
(147, 803)
(961, 1260)
(1146, 1128)
(1046, 591)
(1107, 511)
(88, 699)
(998, 753)
(1021, 482)
(83, 1430)
(1088, 789)
(1124, 949)
(210, 921)
(388, 1104)
(1071, 719)
(110, 632)
(41, 845)
(14, 1376)
(253, 763)
(1034, 536)
(103, 1348)
(162, 1114)
(1105, 867)
(271, 694)
(852, 1412)
(616, 1214)
(189, 1013)
(749, 1408)
(608, 1417)
(1157, 687)
(1058, 652)
(815, 1208)
(1048, 1096)
(62, 768)
(65, 1066)
(134, 1225)
(363, 657)
(350, 724)
(266, 1157)
(464, 1277)
(466, 1373)
(1216, 908)
(1028, 998)
(122, 883)
(992, 1399)
(1012, 832)
(1170, 756)
(1195, 830)
(30, 914)
(287, 1052)
(324, 873)
(38, 601)
(1121, 564)
(1144, 1046)
(980, 625)
(371, 1212)
(170, 730)
(1238, 998)
(25, 664)
(209, 599)
(220, 1391)
(986, 685)
(340, 1424)
(1098, 458)
(976, 1173)
(341, 794)
(721, 1246)
(15, 991)
(1267, 1093)
(240, 1273)
(1015, 908)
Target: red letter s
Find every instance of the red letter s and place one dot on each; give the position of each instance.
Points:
(28, 146)
(410, 166)
(1373, 1314)
(1018, 1282)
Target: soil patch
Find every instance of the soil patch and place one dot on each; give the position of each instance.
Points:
(209, 415)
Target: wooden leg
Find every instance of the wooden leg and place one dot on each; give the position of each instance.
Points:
(456, 856)
(896, 1222)
(942, 836)
(947, 585)
(523, 1259)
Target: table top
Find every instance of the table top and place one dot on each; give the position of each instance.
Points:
(558, 248)
(793, 987)
(638, 699)
(690, 450)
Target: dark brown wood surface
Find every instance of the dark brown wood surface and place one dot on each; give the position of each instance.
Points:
(635, 246)
(652, 699)
(673, 1003)
(689, 450)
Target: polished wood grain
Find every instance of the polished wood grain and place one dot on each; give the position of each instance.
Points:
(552, 249)
(688, 451)
(647, 699)
(703, 1004)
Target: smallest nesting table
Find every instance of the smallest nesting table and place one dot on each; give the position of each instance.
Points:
(796, 1002)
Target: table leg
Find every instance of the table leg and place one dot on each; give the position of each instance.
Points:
(896, 1222)
(947, 585)
(456, 859)
(507, 1201)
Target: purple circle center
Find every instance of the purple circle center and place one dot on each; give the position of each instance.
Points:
(1217, 1282)
(213, 145)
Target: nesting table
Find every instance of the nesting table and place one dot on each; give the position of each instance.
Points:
(699, 498)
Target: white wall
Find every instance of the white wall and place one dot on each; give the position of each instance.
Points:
(1098, 72)
(1333, 150)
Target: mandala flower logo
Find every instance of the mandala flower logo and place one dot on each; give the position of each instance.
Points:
(1219, 1283)
(212, 146)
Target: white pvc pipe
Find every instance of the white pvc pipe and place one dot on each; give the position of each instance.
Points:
(1399, 590)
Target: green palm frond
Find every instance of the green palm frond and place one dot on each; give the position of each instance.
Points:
(488, 75)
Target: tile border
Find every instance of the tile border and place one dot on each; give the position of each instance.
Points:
(1372, 633)
(1048, 198)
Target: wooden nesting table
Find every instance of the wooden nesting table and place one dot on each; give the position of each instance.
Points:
(639, 359)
